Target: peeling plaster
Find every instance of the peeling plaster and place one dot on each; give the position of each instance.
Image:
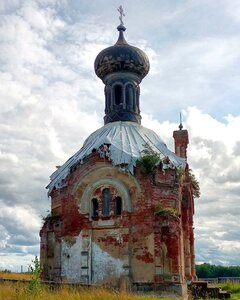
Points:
(71, 260)
(105, 267)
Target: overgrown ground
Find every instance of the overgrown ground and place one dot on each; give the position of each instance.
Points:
(233, 287)
(23, 291)
(12, 275)
(20, 291)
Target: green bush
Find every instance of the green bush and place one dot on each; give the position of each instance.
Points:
(148, 160)
(35, 282)
(170, 211)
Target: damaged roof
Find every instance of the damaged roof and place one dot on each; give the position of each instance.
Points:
(124, 142)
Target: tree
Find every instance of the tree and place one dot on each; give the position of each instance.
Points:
(212, 271)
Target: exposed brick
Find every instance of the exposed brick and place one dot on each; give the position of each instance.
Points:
(146, 238)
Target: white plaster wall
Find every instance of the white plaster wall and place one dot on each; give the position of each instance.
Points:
(104, 266)
(71, 260)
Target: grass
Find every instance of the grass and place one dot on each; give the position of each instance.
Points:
(233, 287)
(18, 276)
(20, 291)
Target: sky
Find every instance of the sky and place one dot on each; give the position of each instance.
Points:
(51, 100)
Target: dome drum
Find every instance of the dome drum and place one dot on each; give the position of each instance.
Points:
(122, 115)
(122, 98)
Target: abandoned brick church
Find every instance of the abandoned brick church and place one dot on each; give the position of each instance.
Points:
(122, 207)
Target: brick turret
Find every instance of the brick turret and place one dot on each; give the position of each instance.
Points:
(181, 141)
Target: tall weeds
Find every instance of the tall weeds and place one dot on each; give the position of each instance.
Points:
(33, 290)
(8, 292)
(35, 286)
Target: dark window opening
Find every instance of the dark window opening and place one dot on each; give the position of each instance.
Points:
(118, 94)
(118, 206)
(106, 202)
(129, 95)
(94, 207)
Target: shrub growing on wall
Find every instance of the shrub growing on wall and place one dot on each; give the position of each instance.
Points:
(148, 160)
(195, 184)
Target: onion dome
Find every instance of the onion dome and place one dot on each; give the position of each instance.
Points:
(121, 57)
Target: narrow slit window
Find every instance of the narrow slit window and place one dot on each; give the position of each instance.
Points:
(106, 202)
(94, 207)
(118, 206)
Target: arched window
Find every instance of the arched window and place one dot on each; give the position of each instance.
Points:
(129, 95)
(94, 207)
(118, 94)
(106, 202)
(118, 206)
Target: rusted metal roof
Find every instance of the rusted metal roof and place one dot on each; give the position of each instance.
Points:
(122, 143)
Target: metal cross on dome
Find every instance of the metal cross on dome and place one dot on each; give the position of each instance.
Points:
(120, 9)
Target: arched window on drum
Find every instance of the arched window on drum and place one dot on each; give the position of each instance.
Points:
(130, 96)
(118, 206)
(106, 202)
(117, 94)
(94, 207)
